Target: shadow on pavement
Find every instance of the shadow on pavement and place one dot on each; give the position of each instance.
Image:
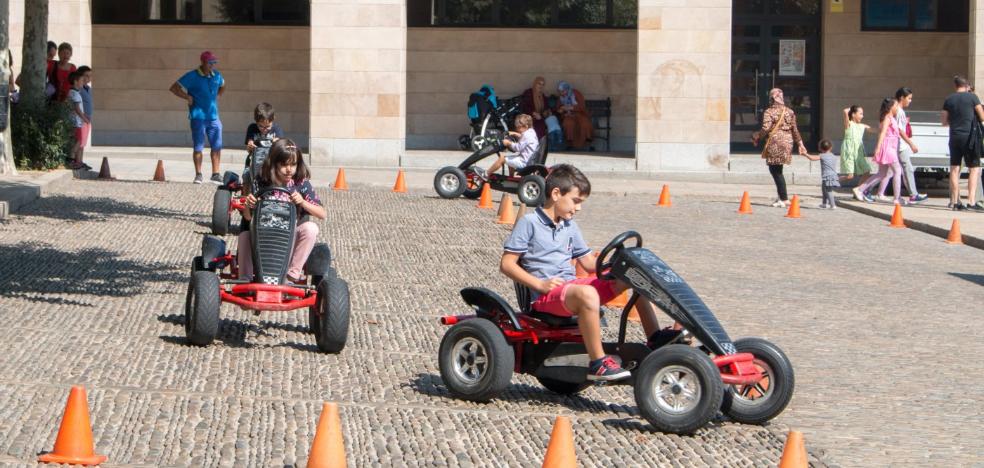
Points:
(976, 279)
(33, 272)
(95, 209)
(236, 333)
(432, 385)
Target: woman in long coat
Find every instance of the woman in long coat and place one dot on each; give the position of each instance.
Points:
(534, 103)
(779, 130)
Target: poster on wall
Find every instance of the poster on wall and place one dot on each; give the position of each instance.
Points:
(792, 57)
(837, 6)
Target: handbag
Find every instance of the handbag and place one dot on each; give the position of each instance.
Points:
(772, 131)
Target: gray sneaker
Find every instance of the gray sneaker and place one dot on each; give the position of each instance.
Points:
(216, 178)
(198, 178)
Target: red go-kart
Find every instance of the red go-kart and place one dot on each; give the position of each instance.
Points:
(528, 183)
(215, 279)
(679, 386)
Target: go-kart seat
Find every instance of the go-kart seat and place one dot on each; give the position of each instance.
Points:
(524, 296)
(539, 159)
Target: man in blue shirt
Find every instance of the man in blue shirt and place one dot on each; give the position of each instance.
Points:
(202, 87)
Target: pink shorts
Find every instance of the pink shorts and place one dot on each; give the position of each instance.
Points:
(553, 301)
(82, 134)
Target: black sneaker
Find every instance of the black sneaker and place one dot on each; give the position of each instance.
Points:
(662, 337)
(959, 207)
(606, 370)
(216, 178)
(976, 208)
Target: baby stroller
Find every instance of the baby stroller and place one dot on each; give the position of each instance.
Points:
(489, 117)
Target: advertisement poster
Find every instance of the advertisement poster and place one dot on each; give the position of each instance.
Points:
(792, 57)
(837, 6)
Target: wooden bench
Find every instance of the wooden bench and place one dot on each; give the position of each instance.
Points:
(601, 119)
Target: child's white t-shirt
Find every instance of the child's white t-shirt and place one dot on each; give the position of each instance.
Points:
(527, 146)
(76, 99)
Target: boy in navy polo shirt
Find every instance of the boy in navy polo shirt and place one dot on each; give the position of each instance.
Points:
(202, 87)
(538, 254)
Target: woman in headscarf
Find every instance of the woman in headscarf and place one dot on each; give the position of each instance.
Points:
(781, 135)
(574, 116)
(534, 103)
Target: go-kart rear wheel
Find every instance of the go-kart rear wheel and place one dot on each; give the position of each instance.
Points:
(561, 387)
(678, 389)
(220, 211)
(329, 318)
(475, 360)
(756, 404)
(531, 190)
(473, 185)
(450, 182)
(202, 308)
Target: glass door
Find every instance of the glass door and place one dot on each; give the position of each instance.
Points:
(774, 44)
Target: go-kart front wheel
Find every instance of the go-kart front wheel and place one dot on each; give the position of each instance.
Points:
(475, 360)
(531, 190)
(220, 211)
(450, 182)
(756, 404)
(329, 317)
(678, 389)
(202, 307)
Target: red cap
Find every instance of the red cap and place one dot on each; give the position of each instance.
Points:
(208, 56)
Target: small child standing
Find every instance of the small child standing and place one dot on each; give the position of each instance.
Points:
(79, 120)
(86, 93)
(853, 159)
(828, 173)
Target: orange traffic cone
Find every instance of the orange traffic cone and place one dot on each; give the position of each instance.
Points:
(560, 451)
(159, 172)
(340, 183)
(794, 208)
(664, 197)
(897, 221)
(104, 170)
(485, 201)
(506, 215)
(955, 237)
(328, 449)
(401, 183)
(746, 204)
(74, 443)
(521, 212)
(794, 452)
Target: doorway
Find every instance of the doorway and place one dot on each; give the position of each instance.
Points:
(774, 44)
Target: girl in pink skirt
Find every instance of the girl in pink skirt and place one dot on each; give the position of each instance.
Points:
(886, 156)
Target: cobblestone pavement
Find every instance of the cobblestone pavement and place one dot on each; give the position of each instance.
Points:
(92, 284)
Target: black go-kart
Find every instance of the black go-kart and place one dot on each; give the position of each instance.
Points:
(215, 279)
(679, 386)
(223, 202)
(528, 183)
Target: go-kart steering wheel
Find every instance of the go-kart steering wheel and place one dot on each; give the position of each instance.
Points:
(604, 263)
(265, 190)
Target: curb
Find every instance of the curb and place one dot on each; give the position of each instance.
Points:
(24, 192)
(972, 241)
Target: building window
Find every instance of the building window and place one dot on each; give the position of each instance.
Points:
(915, 15)
(524, 13)
(265, 12)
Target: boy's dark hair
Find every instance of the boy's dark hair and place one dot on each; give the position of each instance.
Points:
(83, 69)
(52, 45)
(903, 92)
(264, 111)
(565, 177)
(74, 76)
(960, 81)
(283, 151)
(826, 145)
(64, 46)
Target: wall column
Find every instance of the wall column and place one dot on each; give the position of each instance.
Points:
(684, 87)
(358, 82)
(976, 55)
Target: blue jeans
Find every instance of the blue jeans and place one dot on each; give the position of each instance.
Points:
(556, 139)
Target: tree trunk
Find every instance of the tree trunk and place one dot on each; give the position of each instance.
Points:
(6, 149)
(34, 61)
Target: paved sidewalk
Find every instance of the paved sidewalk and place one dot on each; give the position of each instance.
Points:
(17, 191)
(931, 216)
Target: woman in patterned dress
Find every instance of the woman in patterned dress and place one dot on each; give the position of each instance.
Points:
(779, 130)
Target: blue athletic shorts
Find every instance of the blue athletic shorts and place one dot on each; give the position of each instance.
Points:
(206, 128)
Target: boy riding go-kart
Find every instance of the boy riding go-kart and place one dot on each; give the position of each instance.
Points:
(266, 273)
(526, 162)
(556, 336)
(260, 135)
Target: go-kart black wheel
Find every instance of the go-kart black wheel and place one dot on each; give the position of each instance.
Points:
(202, 308)
(450, 182)
(561, 387)
(756, 404)
(329, 318)
(220, 211)
(531, 190)
(196, 265)
(319, 261)
(678, 389)
(475, 360)
(473, 185)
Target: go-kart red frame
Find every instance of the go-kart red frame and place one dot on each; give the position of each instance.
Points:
(261, 297)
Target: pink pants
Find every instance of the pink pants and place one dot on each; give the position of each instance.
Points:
(304, 237)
